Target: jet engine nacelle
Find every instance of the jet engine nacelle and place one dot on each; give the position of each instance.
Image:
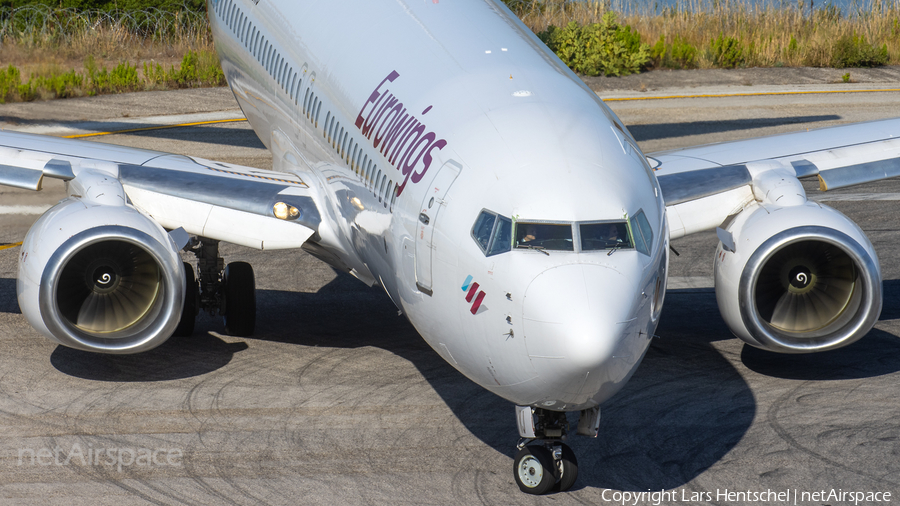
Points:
(101, 278)
(797, 279)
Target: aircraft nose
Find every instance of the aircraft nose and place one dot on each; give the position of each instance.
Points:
(575, 316)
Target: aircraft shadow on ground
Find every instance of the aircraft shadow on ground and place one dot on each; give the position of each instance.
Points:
(682, 412)
(876, 354)
(9, 303)
(222, 135)
(174, 359)
(654, 131)
(685, 408)
(239, 134)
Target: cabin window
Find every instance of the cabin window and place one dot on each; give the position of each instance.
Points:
(544, 236)
(393, 197)
(605, 235)
(318, 110)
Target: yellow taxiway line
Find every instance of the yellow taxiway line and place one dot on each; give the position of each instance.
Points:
(159, 127)
(10, 246)
(760, 94)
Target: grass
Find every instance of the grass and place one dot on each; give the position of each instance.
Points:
(729, 33)
(56, 53)
(48, 52)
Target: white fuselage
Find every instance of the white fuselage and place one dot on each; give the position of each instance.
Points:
(408, 120)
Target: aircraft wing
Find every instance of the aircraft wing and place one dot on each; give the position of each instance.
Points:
(704, 185)
(242, 205)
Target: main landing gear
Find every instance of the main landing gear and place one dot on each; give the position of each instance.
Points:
(544, 462)
(220, 290)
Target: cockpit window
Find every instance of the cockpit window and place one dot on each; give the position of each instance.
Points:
(502, 240)
(544, 236)
(642, 233)
(484, 225)
(601, 236)
(492, 233)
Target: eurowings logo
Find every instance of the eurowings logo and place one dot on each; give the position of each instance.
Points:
(471, 290)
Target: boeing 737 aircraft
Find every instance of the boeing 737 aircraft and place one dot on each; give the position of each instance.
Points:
(440, 150)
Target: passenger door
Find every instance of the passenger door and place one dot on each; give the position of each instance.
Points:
(428, 215)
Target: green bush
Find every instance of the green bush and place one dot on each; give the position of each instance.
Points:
(123, 77)
(726, 52)
(197, 69)
(65, 85)
(9, 83)
(677, 55)
(853, 51)
(109, 5)
(606, 47)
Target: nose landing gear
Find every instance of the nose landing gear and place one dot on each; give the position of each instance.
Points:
(544, 462)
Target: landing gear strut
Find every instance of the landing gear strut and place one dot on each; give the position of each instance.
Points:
(544, 462)
(227, 291)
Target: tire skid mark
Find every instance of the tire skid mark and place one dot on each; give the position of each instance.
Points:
(236, 372)
(772, 419)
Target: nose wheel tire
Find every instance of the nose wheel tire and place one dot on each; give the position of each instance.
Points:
(534, 470)
(189, 311)
(240, 299)
(568, 470)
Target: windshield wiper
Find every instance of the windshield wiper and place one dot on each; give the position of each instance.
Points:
(615, 248)
(536, 248)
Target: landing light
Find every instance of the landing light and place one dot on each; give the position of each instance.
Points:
(285, 212)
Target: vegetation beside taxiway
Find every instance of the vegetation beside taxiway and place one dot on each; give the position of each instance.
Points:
(714, 33)
(88, 47)
(64, 48)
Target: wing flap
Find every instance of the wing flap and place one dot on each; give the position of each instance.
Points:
(212, 199)
(704, 185)
(792, 146)
(220, 223)
(686, 186)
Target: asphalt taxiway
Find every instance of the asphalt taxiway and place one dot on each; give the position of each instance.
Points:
(337, 400)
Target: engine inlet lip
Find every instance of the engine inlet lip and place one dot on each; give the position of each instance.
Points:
(145, 338)
(870, 291)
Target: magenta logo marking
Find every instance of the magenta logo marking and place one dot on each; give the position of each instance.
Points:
(471, 290)
(400, 134)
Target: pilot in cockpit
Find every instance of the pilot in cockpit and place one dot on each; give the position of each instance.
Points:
(611, 233)
(530, 233)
